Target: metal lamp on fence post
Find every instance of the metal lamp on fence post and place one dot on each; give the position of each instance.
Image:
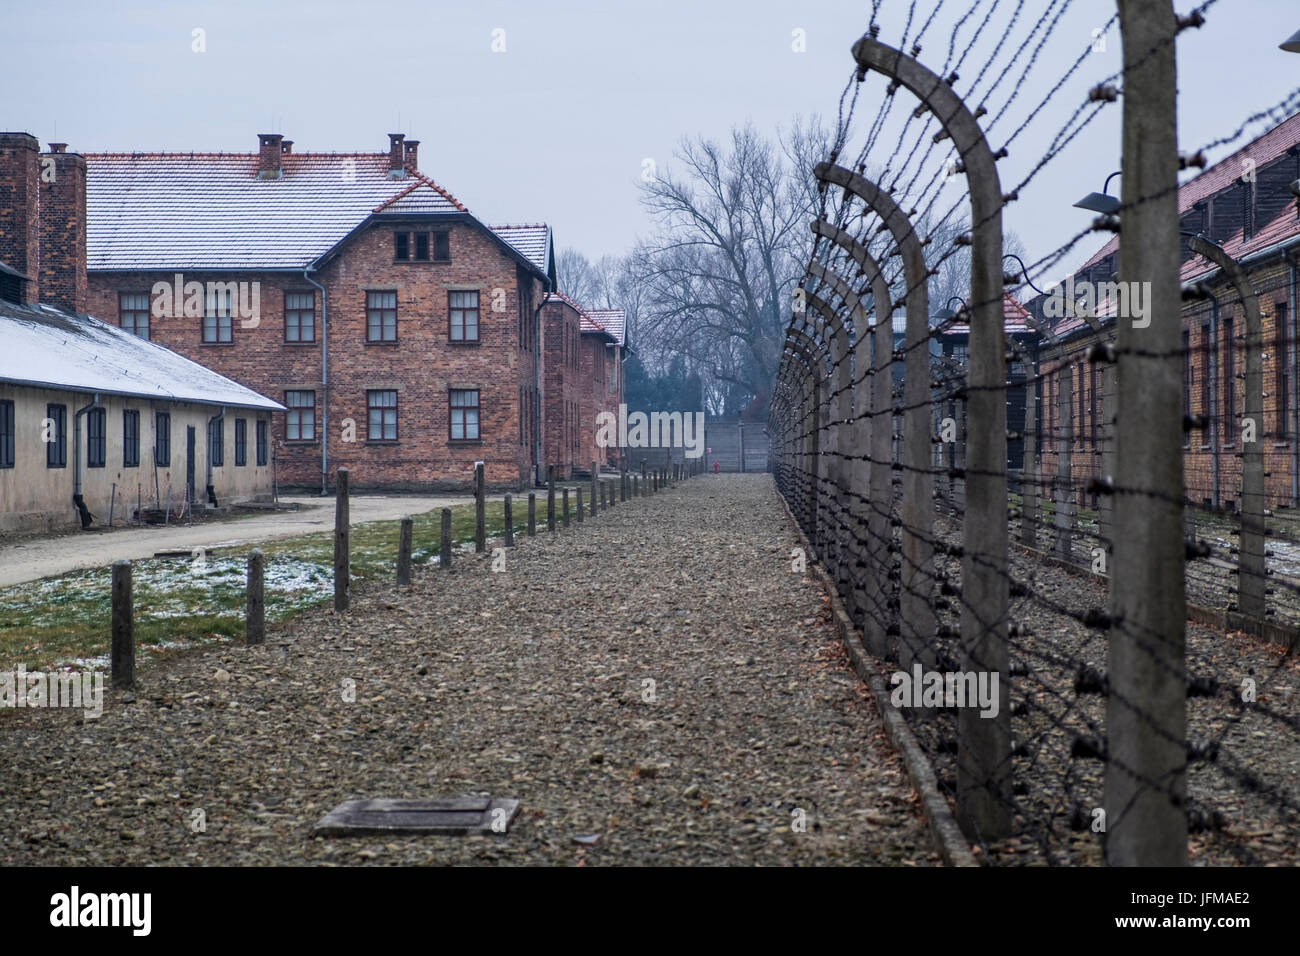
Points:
(1102, 202)
(1291, 44)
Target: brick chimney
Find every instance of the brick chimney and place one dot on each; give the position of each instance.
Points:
(63, 229)
(396, 167)
(286, 147)
(20, 239)
(412, 154)
(268, 155)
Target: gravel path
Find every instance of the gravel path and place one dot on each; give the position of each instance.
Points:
(529, 683)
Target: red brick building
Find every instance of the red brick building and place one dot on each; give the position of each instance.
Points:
(604, 348)
(1247, 204)
(564, 389)
(403, 335)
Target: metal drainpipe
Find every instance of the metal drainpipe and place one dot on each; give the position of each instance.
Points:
(537, 371)
(324, 389)
(221, 417)
(1290, 359)
(1213, 423)
(77, 499)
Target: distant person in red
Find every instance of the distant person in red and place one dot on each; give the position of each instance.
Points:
(715, 466)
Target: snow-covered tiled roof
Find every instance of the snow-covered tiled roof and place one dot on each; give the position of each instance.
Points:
(1015, 319)
(531, 240)
(211, 211)
(48, 348)
(612, 321)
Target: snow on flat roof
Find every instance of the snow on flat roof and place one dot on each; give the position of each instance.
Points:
(44, 347)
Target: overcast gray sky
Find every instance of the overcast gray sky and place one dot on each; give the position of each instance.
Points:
(556, 126)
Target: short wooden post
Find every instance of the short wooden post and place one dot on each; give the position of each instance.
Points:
(532, 514)
(510, 523)
(342, 552)
(480, 516)
(550, 497)
(595, 477)
(636, 492)
(580, 504)
(403, 551)
(566, 507)
(444, 539)
(123, 627)
(255, 598)
(622, 485)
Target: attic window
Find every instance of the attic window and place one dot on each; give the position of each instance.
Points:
(402, 246)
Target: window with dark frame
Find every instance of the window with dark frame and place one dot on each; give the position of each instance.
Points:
(381, 410)
(1079, 429)
(96, 438)
(422, 246)
(1282, 363)
(1207, 377)
(300, 316)
(130, 438)
(217, 442)
(133, 313)
(1229, 383)
(462, 312)
(1247, 210)
(442, 247)
(6, 434)
(1094, 379)
(300, 419)
(261, 441)
(162, 439)
(217, 319)
(402, 246)
(464, 414)
(381, 316)
(1187, 381)
(56, 449)
(241, 442)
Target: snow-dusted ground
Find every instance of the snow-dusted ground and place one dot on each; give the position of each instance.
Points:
(34, 558)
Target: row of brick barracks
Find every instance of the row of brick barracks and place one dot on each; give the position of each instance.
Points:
(1247, 204)
(406, 339)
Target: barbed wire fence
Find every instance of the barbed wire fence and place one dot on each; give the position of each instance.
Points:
(1119, 733)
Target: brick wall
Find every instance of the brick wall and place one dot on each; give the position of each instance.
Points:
(422, 366)
(19, 208)
(63, 229)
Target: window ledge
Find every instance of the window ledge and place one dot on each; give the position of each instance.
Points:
(382, 441)
(464, 341)
(464, 441)
(301, 342)
(302, 443)
(231, 342)
(392, 343)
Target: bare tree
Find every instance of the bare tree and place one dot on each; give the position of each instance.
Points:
(732, 239)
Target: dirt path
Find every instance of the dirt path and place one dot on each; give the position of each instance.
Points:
(33, 558)
(655, 686)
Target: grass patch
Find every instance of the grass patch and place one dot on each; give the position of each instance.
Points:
(64, 620)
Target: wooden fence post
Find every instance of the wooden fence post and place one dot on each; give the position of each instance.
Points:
(510, 522)
(595, 480)
(480, 516)
(342, 545)
(404, 551)
(550, 497)
(532, 514)
(566, 507)
(444, 539)
(580, 504)
(123, 627)
(255, 599)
